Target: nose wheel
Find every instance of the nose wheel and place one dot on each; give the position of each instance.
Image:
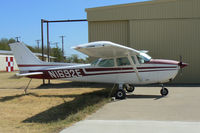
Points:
(164, 91)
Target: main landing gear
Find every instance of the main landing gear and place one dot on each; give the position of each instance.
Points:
(123, 88)
(121, 93)
(164, 91)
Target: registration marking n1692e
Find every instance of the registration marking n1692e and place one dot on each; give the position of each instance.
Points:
(67, 73)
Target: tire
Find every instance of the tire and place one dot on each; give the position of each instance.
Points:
(164, 92)
(131, 88)
(120, 94)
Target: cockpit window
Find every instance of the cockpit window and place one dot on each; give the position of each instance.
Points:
(94, 62)
(106, 63)
(123, 61)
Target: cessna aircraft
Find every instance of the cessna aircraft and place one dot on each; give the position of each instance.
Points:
(114, 64)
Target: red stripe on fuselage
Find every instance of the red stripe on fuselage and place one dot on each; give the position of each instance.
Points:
(161, 61)
(123, 68)
(47, 76)
(91, 74)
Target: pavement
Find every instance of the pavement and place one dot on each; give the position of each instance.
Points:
(145, 110)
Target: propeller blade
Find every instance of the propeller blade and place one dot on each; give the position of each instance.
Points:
(181, 63)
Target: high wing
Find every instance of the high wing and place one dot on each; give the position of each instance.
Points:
(105, 49)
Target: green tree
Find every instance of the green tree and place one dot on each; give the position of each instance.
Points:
(4, 43)
(57, 53)
(75, 59)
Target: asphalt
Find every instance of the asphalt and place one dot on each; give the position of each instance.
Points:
(145, 110)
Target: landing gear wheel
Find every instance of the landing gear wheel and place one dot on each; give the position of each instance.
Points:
(129, 88)
(120, 94)
(164, 91)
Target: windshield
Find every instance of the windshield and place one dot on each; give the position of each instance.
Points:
(143, 57)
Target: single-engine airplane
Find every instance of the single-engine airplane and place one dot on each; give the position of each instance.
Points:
(114, 64)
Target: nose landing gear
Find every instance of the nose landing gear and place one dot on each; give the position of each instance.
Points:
(164, 91)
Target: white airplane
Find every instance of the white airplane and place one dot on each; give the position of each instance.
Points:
(114, 64)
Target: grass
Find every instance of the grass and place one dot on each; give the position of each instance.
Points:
(48, 108)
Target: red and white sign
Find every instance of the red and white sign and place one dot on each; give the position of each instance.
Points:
(9, 64)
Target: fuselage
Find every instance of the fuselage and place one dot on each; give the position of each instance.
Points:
(154, 71)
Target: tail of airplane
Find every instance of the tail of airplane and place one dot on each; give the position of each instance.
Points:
(27, 61)
(23, 55)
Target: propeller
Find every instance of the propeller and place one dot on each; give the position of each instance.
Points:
(181, 64)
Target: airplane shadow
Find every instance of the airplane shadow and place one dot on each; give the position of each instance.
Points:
(155, 97)
(62, 111)
(57, 86)
(7, 98)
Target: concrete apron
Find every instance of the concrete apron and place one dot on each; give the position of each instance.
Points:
(132, 126)
(145, 111)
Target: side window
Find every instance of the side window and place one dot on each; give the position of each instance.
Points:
(106, 63)
(94, 62)
(123, 61)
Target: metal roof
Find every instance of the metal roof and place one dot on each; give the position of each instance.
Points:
(129, 4)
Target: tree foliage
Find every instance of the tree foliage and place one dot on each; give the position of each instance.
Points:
(4, 43)
(75, 59)
(55, 52)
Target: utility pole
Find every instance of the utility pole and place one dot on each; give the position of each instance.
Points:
(42, 42)
(17, 38)
(62, 44)
(38, 45)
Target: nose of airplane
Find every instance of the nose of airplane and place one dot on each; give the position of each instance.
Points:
(182, 64)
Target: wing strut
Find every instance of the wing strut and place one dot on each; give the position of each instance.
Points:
(135, 68)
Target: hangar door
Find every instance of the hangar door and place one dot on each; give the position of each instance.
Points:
(168, 39)
(115, 31)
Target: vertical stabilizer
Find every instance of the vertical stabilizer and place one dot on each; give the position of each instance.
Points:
(23, 55)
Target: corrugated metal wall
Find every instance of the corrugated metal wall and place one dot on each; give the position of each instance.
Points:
(167, 29)
(115, 31)
(169, 39)
(146, 10)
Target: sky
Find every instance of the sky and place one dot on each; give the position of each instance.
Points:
(23, 18)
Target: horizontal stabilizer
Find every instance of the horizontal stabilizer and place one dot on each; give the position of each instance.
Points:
(28, 74)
